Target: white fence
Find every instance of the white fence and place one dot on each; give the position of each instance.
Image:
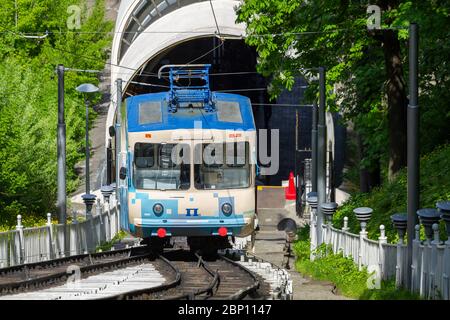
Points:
(430, 267)
(27, 245)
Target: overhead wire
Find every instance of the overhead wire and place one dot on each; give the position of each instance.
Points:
(44, 33)
(207, 53)
(148, 74)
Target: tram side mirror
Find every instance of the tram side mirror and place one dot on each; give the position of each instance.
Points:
(123, 173)
(112, 131)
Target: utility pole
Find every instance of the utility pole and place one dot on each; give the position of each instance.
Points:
(413, 141)
(61, 151)
(118, 135)
(321, 154)
(314, 148)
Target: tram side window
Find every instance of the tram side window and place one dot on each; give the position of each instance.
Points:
(154, 168)
(222, 166)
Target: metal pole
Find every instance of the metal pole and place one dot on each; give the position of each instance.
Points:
(331, 177)
(108, 162)
(118, 133)
(413, 141)
(296, 165)
(88, 187)
(314, 149)
(61, 201)
(321, 154)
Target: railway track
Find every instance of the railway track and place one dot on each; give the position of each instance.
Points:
(133, 274)
(83, 276)
(197, 278)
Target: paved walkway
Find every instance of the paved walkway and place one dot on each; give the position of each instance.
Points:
(272, 207)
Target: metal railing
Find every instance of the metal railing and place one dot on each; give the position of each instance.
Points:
(51, 241)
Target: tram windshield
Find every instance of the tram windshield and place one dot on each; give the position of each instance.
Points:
(222, 166)
(161, 166)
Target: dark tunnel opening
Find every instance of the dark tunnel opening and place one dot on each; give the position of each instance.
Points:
(234, 70)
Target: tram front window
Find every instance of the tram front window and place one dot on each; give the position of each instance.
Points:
(161, 166)
(222, 166)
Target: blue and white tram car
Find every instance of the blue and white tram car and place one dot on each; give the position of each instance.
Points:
(188, 163)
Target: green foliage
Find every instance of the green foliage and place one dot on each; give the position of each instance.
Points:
(28, 106)
(334, 34)
(392, 196)
(106, 246)
(342, 272)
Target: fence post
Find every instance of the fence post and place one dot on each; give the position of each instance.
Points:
(446, 272)
(362, 236)
(116, 204)
(102, 229)
(399, 264)
(19, 228)
(400, 221)
(345, 228)
(313, 234)
(328, 208)
(312, 201)
(433, 262)
(51, 245)
(428, 217)
(444, 209)
(343, 240)
(363, 215)
(107, 192)
(76, 238)
(415, 260)
(98, 210)
(382, 239)
(109, 221)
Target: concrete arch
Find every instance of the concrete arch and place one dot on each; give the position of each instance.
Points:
(184, 24)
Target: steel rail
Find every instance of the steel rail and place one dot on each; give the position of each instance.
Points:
(209, 290)
(57, 277)
(51, 263)
(131, 295)
(243, 292)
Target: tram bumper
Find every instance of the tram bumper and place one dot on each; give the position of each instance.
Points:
(188, 227)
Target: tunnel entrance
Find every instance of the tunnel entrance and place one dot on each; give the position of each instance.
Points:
(234, 70)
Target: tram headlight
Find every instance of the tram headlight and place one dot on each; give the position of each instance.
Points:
(227, 209)
(158, 209)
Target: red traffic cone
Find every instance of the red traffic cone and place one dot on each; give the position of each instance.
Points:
(290, 190)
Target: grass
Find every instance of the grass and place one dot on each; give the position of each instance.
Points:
(343, 273)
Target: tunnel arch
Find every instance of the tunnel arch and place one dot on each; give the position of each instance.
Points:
(195, 24)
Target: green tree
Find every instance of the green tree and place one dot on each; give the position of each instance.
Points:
(365, 67)
(28, 106)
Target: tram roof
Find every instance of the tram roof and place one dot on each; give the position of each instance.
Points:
(150, 112)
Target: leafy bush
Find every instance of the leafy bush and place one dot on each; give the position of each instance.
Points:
(392, 196)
